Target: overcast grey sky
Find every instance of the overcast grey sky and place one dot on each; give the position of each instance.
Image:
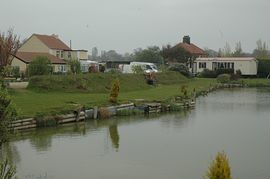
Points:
(124, 25)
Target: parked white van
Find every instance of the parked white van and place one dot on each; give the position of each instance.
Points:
(146, 67)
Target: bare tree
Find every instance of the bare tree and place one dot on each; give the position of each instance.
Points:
(227, 50)
(9, 44)
(262, 49)
(238, 50)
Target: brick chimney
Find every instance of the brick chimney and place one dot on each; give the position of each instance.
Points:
(186, 39)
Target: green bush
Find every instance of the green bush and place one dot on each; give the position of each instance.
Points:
(7, 114)
(181, 68)
(263, 67)
(176, 107)
(235, 76)
(7, 170)
(223, 78)
(113, 71)
(41, 65)
(224, 71)
(15, 72)
(220, 168)
(115, 91)
(208, 74)
(129, 112)
(45, 121)
(75, 66)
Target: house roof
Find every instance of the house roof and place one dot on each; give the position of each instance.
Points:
(216, 59)
(191, 48)
(27, 57)
(52, 41)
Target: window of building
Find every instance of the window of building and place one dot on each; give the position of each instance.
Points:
(57, 54)
(214, 65)
(202, 64)
(222, 65)
(62, 54)
(69, 55)
(62, 68)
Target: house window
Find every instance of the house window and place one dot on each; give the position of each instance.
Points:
(69, 55)
(57, 54)
(62, 68)
(202, 64)
(223, 65)
(62, 54)
(214, 65)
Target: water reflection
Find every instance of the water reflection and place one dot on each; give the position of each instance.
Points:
(176, 120)
(9, 151)
(42, 139)
(114, 136)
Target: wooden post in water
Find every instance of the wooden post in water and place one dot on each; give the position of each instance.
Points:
(95, 112)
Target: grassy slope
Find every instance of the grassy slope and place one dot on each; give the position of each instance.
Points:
(98, 83)
(257, 82)
(29, 102)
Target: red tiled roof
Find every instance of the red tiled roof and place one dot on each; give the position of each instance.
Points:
(52, 42)
(27, 57)
(191, 48)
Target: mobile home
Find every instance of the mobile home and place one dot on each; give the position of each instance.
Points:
(247, 65)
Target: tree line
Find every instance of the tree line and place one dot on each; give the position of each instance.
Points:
(155, 54)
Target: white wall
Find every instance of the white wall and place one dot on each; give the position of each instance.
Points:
(248, 66)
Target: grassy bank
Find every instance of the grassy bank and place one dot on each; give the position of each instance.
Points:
(29, 102)
(257, 82)
(99, 82)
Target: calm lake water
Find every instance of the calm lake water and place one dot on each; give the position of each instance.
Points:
(172, 146)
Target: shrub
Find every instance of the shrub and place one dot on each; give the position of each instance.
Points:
(181, 68)
(104, 113)
(223, 78)
(236, 76)
(75, 66)
(219, 169)
(7, 114)
(15, 72)
(7, 171)
(263, 67)
(115, 91)
(224, 71)
(208, 74)
(175, 107)
(45, 121)
(41, 65)
(129, 112)
(113, 71)
(184, 92)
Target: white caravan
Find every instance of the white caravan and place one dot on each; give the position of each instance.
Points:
(85, 64)
(146, 67)
(247, 65)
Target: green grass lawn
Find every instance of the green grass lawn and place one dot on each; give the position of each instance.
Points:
(257, 82)
(30, 102)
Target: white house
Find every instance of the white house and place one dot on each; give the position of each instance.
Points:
(247, 65)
